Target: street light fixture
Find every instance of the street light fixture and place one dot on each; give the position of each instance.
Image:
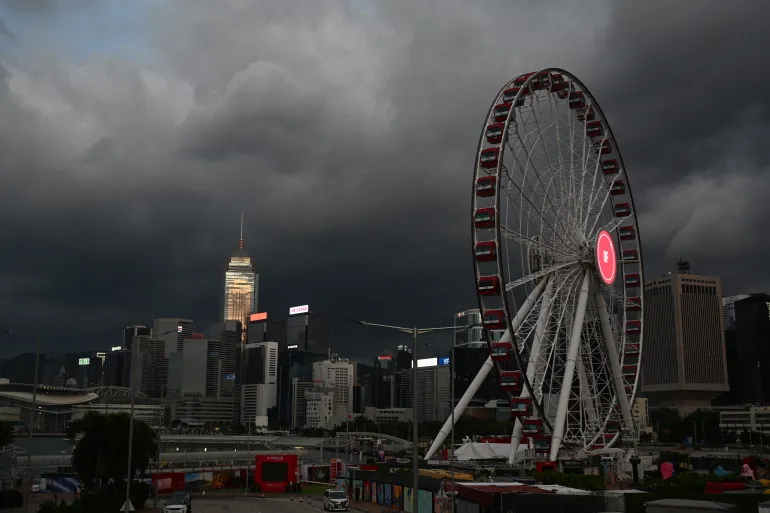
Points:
(34, 407)
(415, 332)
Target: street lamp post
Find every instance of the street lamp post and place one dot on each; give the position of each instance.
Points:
(415, 332)
(33, 411)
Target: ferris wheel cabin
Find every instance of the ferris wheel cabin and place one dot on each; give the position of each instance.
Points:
(489, 285)
(501, 351)
(486, 251)
(610, 167)
(494, 319)
(494, 133)
(484, 218)
(510, 381)
(501, 112)
(521, 407)
(489, 157)
(486, 186)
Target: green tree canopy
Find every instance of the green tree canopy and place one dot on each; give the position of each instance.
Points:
(102, 451)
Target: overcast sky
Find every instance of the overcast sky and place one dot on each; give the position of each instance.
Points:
(134, 133)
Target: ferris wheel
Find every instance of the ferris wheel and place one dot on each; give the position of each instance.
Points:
(558, 266)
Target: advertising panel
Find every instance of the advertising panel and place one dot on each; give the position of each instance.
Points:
(425, 500)
(84, 361)
(256, 317)
(333, 469)
(169, 482)
(444, 360)
(294, 310)
(366, 494)
(273, 473)
(397, 499)
(408, 502)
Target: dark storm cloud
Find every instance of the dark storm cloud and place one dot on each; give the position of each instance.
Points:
(345, 132)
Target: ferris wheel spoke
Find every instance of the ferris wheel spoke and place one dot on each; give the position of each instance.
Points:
(534, 276)
(596, 189)
(612, 356)
(540, 213)
(536, 172)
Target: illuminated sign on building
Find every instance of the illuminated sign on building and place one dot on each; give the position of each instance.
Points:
(293, 346)
(84, 361)
(117, 348)
(179, 329)
(294, 310)
(385, 356)
(229, 377)
(261, 316)
(444, 360)
(426, 362)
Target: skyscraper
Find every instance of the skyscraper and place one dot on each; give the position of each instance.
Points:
(239, 287)
(684, 364)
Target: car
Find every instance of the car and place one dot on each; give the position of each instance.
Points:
(178, 503)
(335, 500)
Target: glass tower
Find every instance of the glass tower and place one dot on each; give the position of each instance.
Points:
(239, 287)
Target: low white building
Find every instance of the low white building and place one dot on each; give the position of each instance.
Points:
(388, 415)
(748, 418)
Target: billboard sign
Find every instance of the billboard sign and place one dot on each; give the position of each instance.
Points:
(179, 329)
(292, 346)
(84, 361)
(294, 310)
(117, 348)
(444, 360)
(256, 317)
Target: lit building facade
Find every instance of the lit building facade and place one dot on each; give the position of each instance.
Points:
(239, 288)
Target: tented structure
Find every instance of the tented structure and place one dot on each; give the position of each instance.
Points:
(482, 451)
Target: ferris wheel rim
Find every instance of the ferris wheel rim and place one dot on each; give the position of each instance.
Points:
(501, 267)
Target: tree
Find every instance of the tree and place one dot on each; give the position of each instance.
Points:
(668, 423)
(101, 453)
(6, 433)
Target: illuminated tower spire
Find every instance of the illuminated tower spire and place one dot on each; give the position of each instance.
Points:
(240, 243)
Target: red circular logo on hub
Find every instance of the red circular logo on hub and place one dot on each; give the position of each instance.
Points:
(606, 260)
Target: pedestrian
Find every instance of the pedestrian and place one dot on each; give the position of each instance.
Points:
(358, 493)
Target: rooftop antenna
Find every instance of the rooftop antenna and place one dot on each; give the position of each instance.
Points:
(683, 266)
(240, 243)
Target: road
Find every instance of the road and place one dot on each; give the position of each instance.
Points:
(253, 505)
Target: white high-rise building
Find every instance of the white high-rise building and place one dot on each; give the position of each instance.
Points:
(319, 408)
(259, 388)
(339, 375)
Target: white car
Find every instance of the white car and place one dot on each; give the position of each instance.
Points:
(176, 505)
(335, 500)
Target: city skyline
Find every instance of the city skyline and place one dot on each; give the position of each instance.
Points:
(127, 156)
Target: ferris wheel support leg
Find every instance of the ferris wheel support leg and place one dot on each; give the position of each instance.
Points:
(569, 368)
(537, 347)
(484, 371)
(612, 354)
